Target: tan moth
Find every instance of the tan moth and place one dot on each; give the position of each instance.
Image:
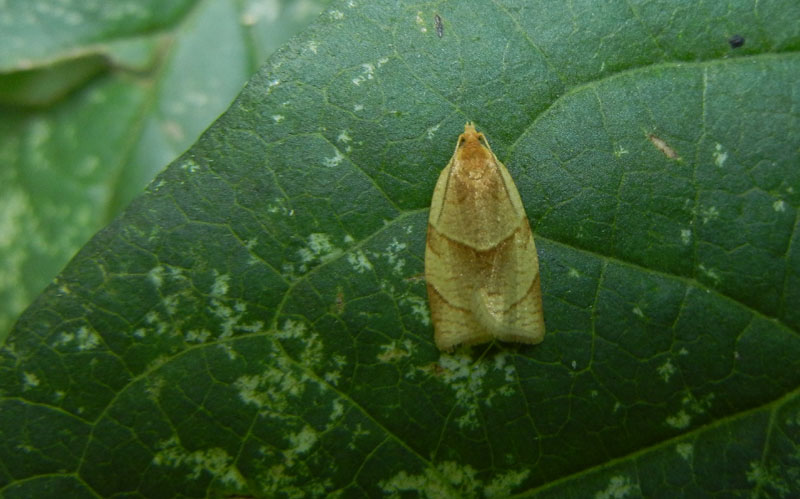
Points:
(481, 265)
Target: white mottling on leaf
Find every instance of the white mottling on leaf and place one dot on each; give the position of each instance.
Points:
(312, 46)
(190, 165)
(337, 411)
(683, 351)
(292, 329)
(431, 131)
(311, 355)
(573, 273)
(503, 484)
(679, 421)
(153, 387)
(333, 161)
(779, 206)
(685, 450)
(719, 156)
(300, 443)
(666, 370)
(273, 390)
(279, 205)
(171, 303)
(396, 350)
(359, 431)
(332, 377)
(465, 377)
(220, 286)
(277, 118)
(619, 486)
(501, 364)
(367, 73)
(697, 406)
(339, 360)
(336, 15)
(29, 381)
(709, 214)
(229, 350)
(686, 236)
(711, 273)
(343, 137)
(638, 312)
(421, 22)
(358, 107)
(287, 271)
(451, 479)
(230, 316)
(620, 151)
(770, 478)
(392, 253)
(214, 461)
(319, 248)
(196, 336)
(419, 308)
(156, 276)
(83, 339)
(359, 261)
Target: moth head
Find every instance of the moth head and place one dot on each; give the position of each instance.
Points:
(472, 145)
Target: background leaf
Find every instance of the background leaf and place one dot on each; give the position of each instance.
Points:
(96, 97)
(256, 322)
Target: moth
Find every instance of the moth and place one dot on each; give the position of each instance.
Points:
(481, 265)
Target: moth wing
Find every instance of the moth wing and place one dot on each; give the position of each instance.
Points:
(509, 302)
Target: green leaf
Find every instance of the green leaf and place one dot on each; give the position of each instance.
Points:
(256, 323)
(95, 98)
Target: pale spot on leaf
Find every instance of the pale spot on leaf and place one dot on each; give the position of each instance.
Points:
(719, 156)
(358, 259)
(419, 308)
(448, 477)
(708, 214)
(679, 421)
(666, 370)
(685, 450)
(29, 380)
(333, 161)
(343, 137)
(395, 351)
(619, 487)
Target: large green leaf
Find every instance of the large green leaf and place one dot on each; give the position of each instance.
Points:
(256, 322)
